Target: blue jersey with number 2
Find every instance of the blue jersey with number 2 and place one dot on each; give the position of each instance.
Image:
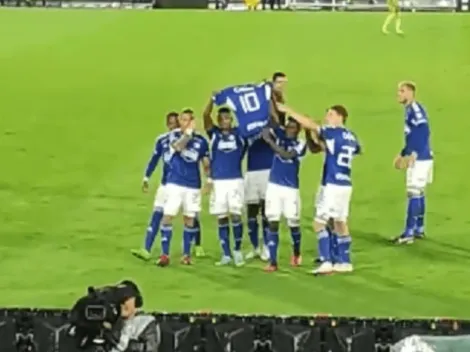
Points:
(250, 103)
(341, 147)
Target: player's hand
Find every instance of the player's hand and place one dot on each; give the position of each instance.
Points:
(192, 124)
(145, 186)
(399, 162)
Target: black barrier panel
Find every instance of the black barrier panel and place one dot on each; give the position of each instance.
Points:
(180, 4)
(47, 329)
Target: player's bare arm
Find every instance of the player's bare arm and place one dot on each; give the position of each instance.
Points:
(274, 116)
(285, 154)
(207, 115)
(304, 121)
(182, 142)
(314, 144)
(206, 166)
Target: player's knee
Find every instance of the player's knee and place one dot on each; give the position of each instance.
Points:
(319, 224)
(223, 220)
(189, 221)
(252, 211)
(167, 219)
(293, 223)
(413, 191)
(236, 219)
(273, 226)
(341, 227)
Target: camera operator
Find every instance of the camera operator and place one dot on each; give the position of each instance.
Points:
(140, 331)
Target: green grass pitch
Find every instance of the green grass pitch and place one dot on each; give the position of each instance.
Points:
(83, 95)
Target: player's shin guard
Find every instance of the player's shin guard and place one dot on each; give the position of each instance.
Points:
(412, 213)
(334, 248)
(273, 243)
(152, 229)
(237, 228)
(296, 238)
(253, 232)
(344, 247)
(167, 233)
(188, 234)
(324, 246)
(420, 218)
(197, 232)
(224, 239)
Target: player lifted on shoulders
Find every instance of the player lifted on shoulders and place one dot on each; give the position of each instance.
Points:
(161, 150)
(394, 13)
(417, 158)
(282, 194)
(226, 202)
(187, 150)
(253, 106)
(341, 145)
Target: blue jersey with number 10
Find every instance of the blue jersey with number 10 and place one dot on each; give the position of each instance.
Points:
(341, 147)
(250, 103)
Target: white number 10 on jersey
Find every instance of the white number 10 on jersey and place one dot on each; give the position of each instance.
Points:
(248, 100)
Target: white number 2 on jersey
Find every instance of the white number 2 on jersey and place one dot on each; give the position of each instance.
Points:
(345, 156)
(248, 100)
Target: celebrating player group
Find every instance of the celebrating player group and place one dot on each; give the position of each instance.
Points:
(268, 135)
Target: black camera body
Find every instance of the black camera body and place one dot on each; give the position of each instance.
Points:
(95, 319)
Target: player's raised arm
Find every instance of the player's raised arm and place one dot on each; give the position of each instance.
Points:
(305, 121)
(187, 125)
(285, 154)
(207, 115)
(314, 144)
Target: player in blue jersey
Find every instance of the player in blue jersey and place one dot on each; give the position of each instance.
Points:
(187, 150)
(161, 151)
(341, 145)
(417, 158)
(226, 201)
(282, 194)
(259, 160)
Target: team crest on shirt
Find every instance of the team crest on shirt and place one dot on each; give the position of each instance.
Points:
(231, 137)
(196, 145)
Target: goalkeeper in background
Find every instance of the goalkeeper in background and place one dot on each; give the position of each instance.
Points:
(252, 4)
(394, 13)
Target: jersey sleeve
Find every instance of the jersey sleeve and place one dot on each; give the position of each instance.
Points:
(323, 132)
(153, 162)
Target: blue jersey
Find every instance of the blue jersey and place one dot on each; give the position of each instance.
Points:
(417, 132)
(184, 165)
(161, 150)
(227, 152)
(285, 172)
(341, 147)
(260, 155)
(251, 105)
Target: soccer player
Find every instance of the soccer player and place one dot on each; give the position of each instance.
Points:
(341, 145)
(282, 194)
(161, 150)
(417, 158)
(226, 201)
(394, 14)
(187, 150)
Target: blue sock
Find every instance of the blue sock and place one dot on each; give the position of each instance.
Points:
(344, 247)
(237, 229)
(420, 218)
(167, 233)
(253, 232)
(224, 239)
(265, 224)
(411, 215)
(334, 247)
(295, 235)
(197, 232)
(152, 229)
(188, 235)
(273, 242)
(324, 246)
